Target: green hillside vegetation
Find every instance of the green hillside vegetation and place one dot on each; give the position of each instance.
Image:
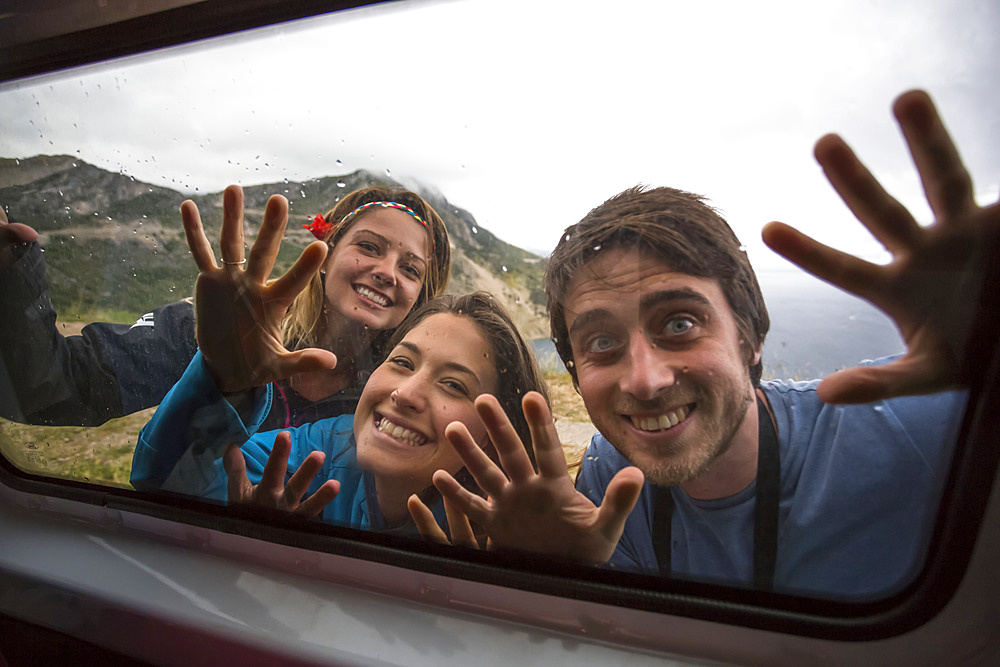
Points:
(115, 245)
(99, 455)
(115, 249)
(103, 454)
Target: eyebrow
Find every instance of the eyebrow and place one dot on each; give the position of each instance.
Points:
(388, 241)
(451, 365)
(686, 294)
(647, 301)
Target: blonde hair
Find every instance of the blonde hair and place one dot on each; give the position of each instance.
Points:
(301, 325)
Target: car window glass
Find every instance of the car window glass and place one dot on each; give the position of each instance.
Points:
(513, 120)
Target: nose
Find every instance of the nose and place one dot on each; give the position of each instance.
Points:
(410, 395)
(384, 271)
(648, 370)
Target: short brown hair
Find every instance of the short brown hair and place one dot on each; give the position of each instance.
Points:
(680, 229)
(299, 328)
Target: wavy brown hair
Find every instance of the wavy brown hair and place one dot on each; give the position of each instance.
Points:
(681, 230)
(516, 368)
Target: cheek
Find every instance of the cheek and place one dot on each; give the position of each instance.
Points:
(411, 291)
(449, 460)
(471, 422)
(593, 383)
(335, 281)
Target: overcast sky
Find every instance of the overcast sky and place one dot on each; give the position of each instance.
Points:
(529, 113)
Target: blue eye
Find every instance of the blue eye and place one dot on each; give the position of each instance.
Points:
(600, 344)
(678, 325)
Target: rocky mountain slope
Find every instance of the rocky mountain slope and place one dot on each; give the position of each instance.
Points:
(115, 247)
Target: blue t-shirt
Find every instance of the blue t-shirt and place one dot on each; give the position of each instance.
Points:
(860, 487)
(181, 449)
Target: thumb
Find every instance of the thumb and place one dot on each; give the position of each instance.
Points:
(238, 487)
(866, 384)
(424, 520)
(619, 500)
(306, 361)
(15, 232)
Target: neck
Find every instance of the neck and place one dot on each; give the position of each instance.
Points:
(392, 495)
(344, 337)
(347, 340)
(736, 468)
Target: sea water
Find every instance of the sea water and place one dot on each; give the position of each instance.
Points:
(816, 329)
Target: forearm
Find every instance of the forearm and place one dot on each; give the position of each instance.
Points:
(53, 380)
(181, 447)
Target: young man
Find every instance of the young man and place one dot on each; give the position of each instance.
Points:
(658, 316)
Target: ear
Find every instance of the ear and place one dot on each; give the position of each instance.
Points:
(756, 355)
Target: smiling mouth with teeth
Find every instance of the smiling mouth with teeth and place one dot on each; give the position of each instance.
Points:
(372, 296)
(663, 422)
(399, 433)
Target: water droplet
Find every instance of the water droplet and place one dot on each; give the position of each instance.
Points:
(341, 183)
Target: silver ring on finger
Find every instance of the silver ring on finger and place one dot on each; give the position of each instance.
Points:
(235, 263)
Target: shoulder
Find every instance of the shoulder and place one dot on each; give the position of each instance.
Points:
(600, 463)
(176, 315)
(796, 405)
(332, 431)
(602, 452)
(917, 428)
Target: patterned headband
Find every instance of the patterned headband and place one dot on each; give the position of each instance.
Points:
(320, 227)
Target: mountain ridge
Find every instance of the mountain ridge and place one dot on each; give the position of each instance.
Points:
(126, 234)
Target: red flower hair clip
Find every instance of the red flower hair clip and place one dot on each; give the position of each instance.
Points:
(319, 227)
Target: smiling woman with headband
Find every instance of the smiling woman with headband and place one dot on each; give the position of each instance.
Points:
(386, 251)
(304, 325)
(309, 334)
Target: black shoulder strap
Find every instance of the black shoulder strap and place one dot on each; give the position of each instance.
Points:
(663, 510)
(768, 495)
(765, 525)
